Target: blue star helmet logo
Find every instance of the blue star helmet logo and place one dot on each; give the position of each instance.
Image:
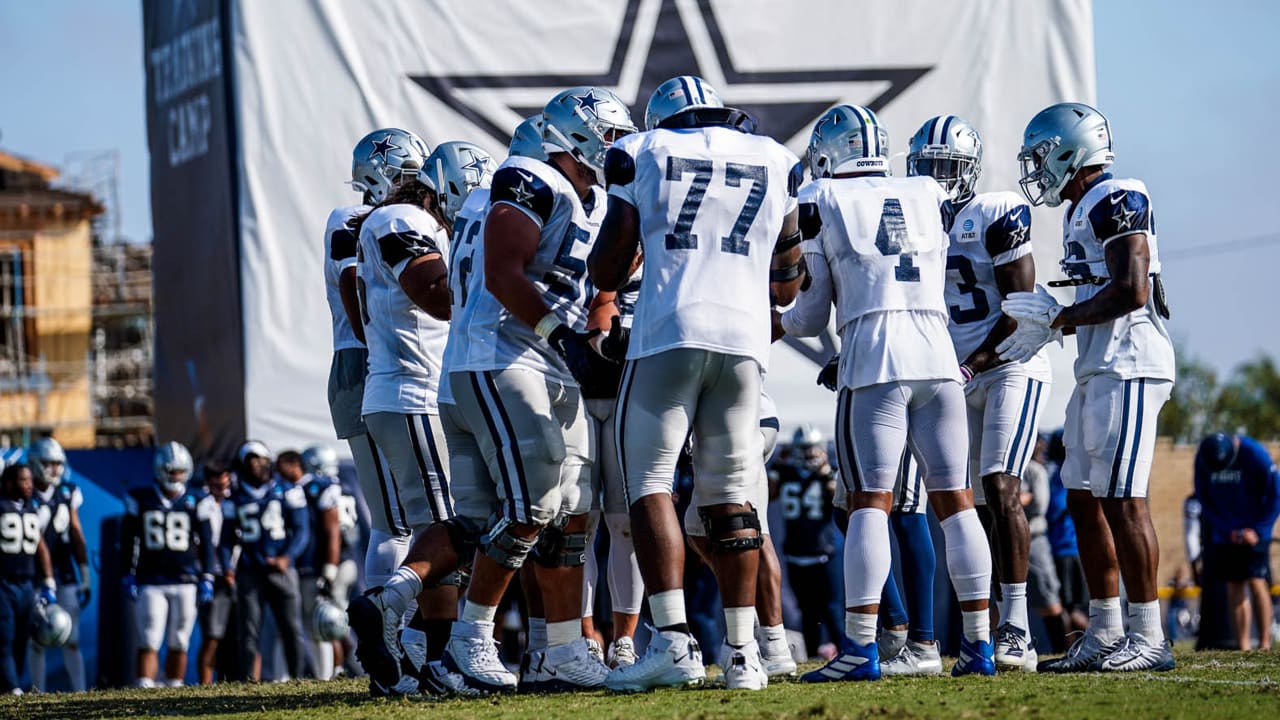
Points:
(588, 101)
(381, 148)
(476, 165)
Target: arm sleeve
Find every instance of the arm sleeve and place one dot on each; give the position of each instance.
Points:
(812, 311)
(523, 190)
(1121, 213)
(1009, 237)
(403, 245)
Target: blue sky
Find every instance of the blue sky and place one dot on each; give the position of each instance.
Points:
(1191, 89)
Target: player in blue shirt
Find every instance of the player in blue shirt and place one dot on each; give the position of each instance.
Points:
(22, 552)
(169, 562)
(267, 519)
(1239, 491)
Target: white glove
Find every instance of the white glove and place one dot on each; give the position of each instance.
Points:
(1024, 342)
(1037, 307)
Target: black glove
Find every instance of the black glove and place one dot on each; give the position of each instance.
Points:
(324, 588)
(829, 375)
(615, 344)
(574, 348)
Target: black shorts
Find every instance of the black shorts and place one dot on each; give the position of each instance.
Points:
(1238, 563)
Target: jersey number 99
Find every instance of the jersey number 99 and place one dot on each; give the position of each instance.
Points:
(19, 533)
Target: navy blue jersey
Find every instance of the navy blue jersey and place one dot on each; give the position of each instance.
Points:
(64, 499)
(806, 509)
(166, 542)
(20, 529)
(1244, 494)
(265, 522)
(325, 494)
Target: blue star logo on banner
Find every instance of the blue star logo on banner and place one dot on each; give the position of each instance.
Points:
(381, 148)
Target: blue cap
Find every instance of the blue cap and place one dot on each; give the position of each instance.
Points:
(1218, 451)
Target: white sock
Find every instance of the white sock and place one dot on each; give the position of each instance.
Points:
(968, 556)
(899, 636)
(739, 623)
(667, 608)
(324, 660)
(626, 587)
(383, 558)
(977, 625)
(537, 633)
(478, 630)
(563, 633)
(867, 558)
(401, 590)
(1144, 619)
(476, 613)
(1014, 611)
(774, 633)
(860, 627)
(1105, 621)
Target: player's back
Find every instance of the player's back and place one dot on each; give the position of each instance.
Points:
(340, 242)
(406, 345)
(1133, 345)
(885, 245)
(711, 203)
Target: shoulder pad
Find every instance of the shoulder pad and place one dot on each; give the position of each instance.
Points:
(619, 167)
(795, 178)
(523, 188)
(1120, 212)
(810, 221)
(294, 497)
(1009, 231)
(342, 243)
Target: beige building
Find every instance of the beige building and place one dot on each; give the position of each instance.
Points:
(46, 306)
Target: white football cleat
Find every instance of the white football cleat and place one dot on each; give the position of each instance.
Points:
(572, 667)
(777, 658)
(914, 658)
(622, 652)
(472, 653)
(1138, 653)
(744, 668)
(1014, 649)
(594, 648)
(672, 659)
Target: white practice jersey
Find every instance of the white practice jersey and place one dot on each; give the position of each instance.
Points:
(466, 278)
(339, 254)
(406, 345)
(876, 247)
(990, 230)
(497, 339)
(1136, 345)
(711, 203)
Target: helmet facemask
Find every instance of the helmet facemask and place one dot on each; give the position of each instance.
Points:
(956, 172)
(1039, 183)
(589, 138)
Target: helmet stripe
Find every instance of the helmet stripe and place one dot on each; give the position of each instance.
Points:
(933, 131)
(866, 127)
(698, 84)
(684, 85)
(942, 139)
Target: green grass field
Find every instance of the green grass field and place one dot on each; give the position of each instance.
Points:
(1206, 686)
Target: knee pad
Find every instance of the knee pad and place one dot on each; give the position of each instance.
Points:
(557, 548)
(457, 579)
(466, 535)
(721, 529)
(506, 548)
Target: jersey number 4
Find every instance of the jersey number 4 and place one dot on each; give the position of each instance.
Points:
(889, 237)
(681, 236)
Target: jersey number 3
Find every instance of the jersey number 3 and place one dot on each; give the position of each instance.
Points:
(681, 236)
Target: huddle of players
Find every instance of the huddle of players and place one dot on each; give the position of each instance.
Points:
(503, 326)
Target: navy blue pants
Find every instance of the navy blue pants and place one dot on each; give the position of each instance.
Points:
(16, 602)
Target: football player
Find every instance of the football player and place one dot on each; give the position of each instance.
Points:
(990, 257)
(876, 247)
(61, 500)
(168, 549)
(267, 519)
(378, 162)
(317, 566)
(215, 614)
(335, 525)
(24, 556)
(1124, 374)
(713, 206)
(909, 648)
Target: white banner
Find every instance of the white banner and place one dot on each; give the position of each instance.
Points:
(313, 77)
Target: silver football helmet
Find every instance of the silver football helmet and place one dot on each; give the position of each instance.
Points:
(848, 138)
(381, 157)
(172, 467)
(584, 121)
(950, 150)
(453, 170)
(50, 625)
(526, 141)
(328, 622)
(686, 92)
(320, 460)
(1059, 141)
(48, 462)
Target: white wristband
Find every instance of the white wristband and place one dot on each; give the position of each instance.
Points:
(547, 325)
(50, 583)
(329, 572)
